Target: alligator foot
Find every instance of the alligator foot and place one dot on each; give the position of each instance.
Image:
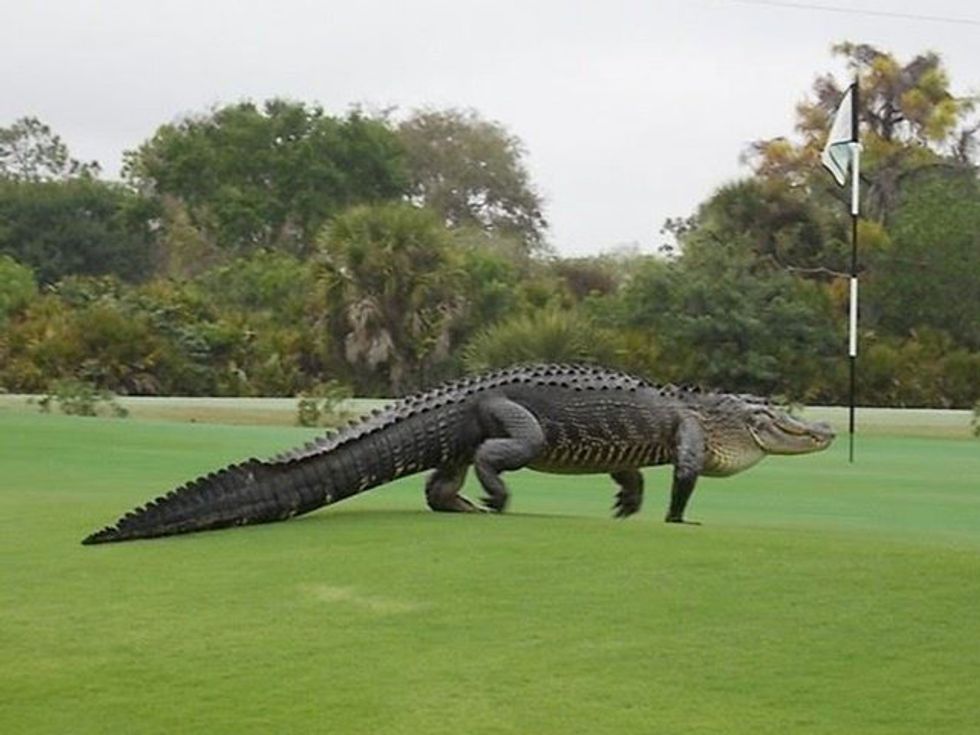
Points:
(630, 495)
(495, 503)
(624, 507)
(442, 491)
(461, 504)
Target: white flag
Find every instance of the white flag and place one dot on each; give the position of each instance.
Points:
(837, 153)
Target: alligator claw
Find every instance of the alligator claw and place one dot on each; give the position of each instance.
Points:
(624, 508)
(472, 507)
(494, 504)
(460, 504)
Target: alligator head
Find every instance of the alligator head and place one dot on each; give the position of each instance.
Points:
(741, 431)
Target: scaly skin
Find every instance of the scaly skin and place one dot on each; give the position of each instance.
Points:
(553, 418)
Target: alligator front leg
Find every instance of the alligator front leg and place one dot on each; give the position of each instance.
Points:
(442, 491)
(687, 466)
(630, 495)
(522, 441)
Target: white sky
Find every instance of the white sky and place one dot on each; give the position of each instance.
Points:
(631, 110)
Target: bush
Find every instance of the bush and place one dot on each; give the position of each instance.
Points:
(925, 369)
(17, 286)
(544, 336)
(81, 226)
(321, 405)
(80, 398)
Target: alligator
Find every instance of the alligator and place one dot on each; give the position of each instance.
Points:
(552, 418)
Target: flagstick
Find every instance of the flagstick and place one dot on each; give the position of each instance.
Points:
(852, 333)
(855, 210)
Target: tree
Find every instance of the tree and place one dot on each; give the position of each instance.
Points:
(76, 226)
(927, 276)
(163, 337)
(30, 151)
(393, 293)
(273, 283)
(17, 287)
(781, 226)
(721, 318)
(923, 368)
(585, 277)
(81, 333)
(909, 119)
(255, 177)
(471, 171)
(542, 336)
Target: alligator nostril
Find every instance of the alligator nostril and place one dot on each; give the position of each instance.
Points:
(824, 428)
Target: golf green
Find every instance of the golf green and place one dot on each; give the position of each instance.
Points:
(818, 597)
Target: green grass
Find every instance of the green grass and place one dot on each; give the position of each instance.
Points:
(819, 597)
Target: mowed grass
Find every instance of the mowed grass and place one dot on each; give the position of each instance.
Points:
(818, 597)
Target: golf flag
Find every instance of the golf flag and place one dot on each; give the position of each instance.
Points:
(838, 152)
(842, 155)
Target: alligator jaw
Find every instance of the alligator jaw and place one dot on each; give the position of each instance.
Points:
(777, 432)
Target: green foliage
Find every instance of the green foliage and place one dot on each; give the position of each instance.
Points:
(77, 227)
(489, 281)
(81, 398)
(541, 336)
(927, 278)
(909, 119)
(162, 338)
(270, 299)
(583, 278)
(779, 225)
(31, 151)
(275, 284)
(908, 103)
(924, 369)
(269, 176)
(17, 287)
(78, 336)
(722, 320)
(392, 281)
(471, 171)
(242, 268)
(185, 251)
(322, 404)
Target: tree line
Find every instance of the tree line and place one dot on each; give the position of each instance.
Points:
(274, 249)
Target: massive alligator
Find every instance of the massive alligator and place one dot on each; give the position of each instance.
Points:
(553, 418)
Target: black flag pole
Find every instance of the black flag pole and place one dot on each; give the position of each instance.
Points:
(842, 156)
(855, 213)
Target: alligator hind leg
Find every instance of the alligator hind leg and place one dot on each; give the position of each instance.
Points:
(442, 491)
(518, 439)
(630, 495)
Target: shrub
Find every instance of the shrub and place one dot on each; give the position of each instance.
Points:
(17, 286)
(321, 405)
(545, 336)
(80, 398)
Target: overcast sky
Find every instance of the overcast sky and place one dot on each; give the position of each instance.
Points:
(631, 110)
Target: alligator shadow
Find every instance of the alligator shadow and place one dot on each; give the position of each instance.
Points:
(374, 515)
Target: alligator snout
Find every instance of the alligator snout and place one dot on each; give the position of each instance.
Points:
(822, 427)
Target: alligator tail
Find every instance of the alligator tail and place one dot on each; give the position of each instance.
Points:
(256, 491)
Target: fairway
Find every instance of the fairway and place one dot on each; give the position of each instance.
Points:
(818, 597)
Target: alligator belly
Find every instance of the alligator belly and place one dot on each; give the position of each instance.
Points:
(591, 459)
